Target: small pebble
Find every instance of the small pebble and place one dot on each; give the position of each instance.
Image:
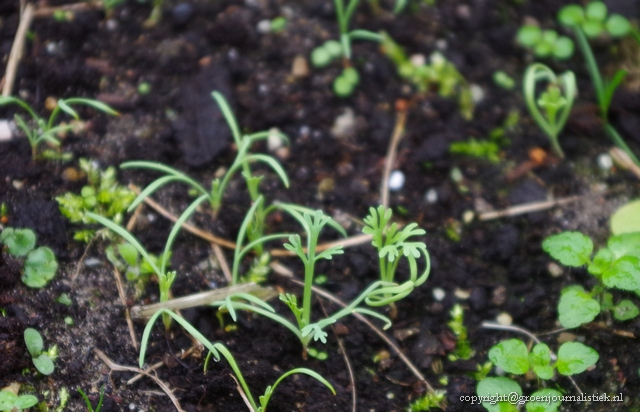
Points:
(418, 60)
(462, 294)
(264, 26)
(112, 24)
(605, 162)
(18, 184)
(463, 11)
(71, 174)
(300, 66)
(344, 127)
(554, 269)
(396, 180)
(431, 196)
(92, 262)
(477, 94)
(467, 216)
(274, 141)
(504, 319)
(441, 44)
(499, 295)
(6, 131)
(182, 13)
(566, 337)
(439, 294)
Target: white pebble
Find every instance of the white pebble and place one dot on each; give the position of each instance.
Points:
(462, 294)
(264, 26)
(274, 141)
(554, 269)
(396, 180)
(418, 60)
(504, 319)
(605, 162)
(6, 131)
(431, 196)
(439, 294)
(441, 44)
(477, 94)
(112, 24)
(344, 127)
(467, 216)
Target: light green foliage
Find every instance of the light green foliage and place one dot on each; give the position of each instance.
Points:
(480, 149)
(511, 356)
(278, 24)
(10, 402)
(463, 347)
(429, 400)
(504, 386)
(548, 400)
(216, 349)
(626, 219)
(438, 73)
(593, 20)
(90, 408)
(46, 130)
(126, 258)
(103, 195)
(616, 266)
(40, 265)
(43, 360)
(545, 43)
(345, 84)
(574, 358)
(502, 79)
(556, 102)
(324, 55)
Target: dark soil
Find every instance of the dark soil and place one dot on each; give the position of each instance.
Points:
(494, 267)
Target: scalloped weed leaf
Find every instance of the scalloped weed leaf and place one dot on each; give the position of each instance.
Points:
(511, 355)
(576, 307)
(623, 274)
(569, 248)
(40, 267)
(625, 244)
(488, 388)
(9, 401)
(18, 241)
(546, 400)
(574, 358)
(540, 360)
(625, 310)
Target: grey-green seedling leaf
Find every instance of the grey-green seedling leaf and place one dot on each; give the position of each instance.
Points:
(617, 25)
(625, 244)
(34, 342)
(623, 274)
(489, 387)
(576, 308)
(601, 262)
(625, 310)
(626, 219)
(529, 35)
(596, 10)
(18, 241)
(574, 358)
(40, 267)
(571, 15)
(128, 253)
(569, 248)
(44, 364)
(547, 400)
(511, 355)
(540, 360)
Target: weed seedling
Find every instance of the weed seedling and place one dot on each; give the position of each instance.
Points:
(126, 258)
(90, 408)
(463, 347)
(592, 21)
(40, 265)
(46, 130)
(616, 266)
(103, 195)
(545, 43)
(10, 401)
(43, 360)
(556, 101)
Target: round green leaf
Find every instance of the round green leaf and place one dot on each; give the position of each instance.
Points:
(623, 274)
(601, 262)
(571, 15)
(626, 244)
(544, 400)
(25, 401)
(563, 48)
(625, 310)
(574, 358)
(320, 57)
(34, 342)
(18, 241)
(342, 87)
(569, 248)
(351, 75)
(40, 267)
(511, 355)
(596, 10)
(529, 35)
(617, 25)
(627, 218)
(334, 48)
(44, 364)
(549, 36)
(540, 360)
(592, 28)
(502, 386)
(543, 49)
(577, 308)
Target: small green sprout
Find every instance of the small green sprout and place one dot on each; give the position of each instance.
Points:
(615, 266)
(144, 88)
(43, 360)
(556, 101)
(593, 20)
(126, 258)
(46, 130)
(90, 408)
(278, 24)
(463, 347)
(545, 43)
(103, 195)
(430, 400)
(502, 79)
(10, 401)
(323, 55)
(345, 84)
(216, 349)
(40, 265)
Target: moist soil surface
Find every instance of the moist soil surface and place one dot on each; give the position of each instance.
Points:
(491, 268)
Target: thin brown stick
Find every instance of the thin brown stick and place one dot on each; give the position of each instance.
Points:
(120, 368)
(84, 6)
(222, 261)
(527, 208)
(80, 263)
(398, 133)
(16, 50)
(159, 364)
(123, 300)
(131, 224)
(242, 394)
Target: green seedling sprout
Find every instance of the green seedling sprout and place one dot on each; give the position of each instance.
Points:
(126, 258)
(556, 101)
(40, 265)
(218, 186)
(165, 277)
(90, 408)
(592, 21)
(545, 43)
(42, 360)
(616, 266)
(216, 349)
(463, 347)
(46, 130)
(10, 401)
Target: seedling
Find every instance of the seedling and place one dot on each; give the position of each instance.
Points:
(218, 186)
(126, 258)
(46, 130)
(439, 73)
(616, 266)
(513, 357)
(103, 195)
(463, 347)
(10, 401)
(502, 79)
(90, 408)
(43, 360)
(592, 21)
(626, 219)
(545, 43)
(556, 101)
(40, 265)
(435, 400)
(216, 349)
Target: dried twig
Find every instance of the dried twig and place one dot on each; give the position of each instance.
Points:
(123, 300)
(398, 133)
(16, 50)
(222, 261)
(159, 364)
(242, 394)
(120, 368)
(77, 7)
(622, 159)
(527, 208)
